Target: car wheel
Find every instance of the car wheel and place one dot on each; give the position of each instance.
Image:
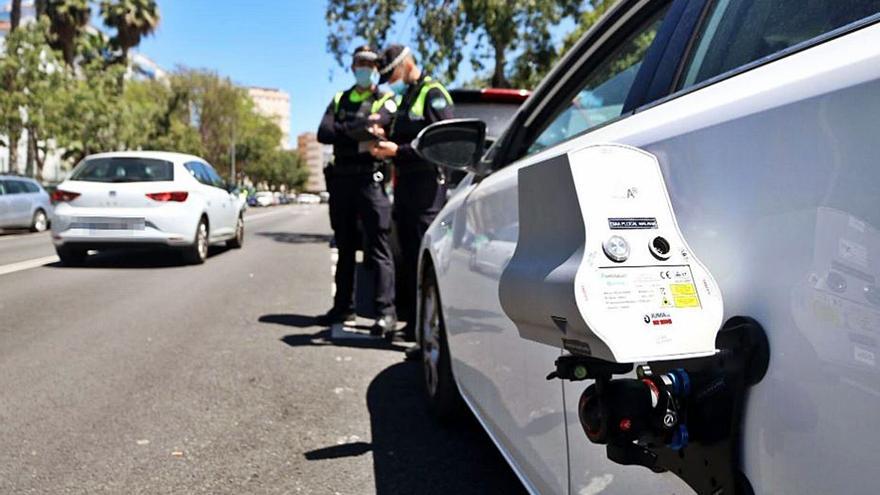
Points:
(197, 253)
(71, 256)
(444, 400)
(237, 241)
(40, 221)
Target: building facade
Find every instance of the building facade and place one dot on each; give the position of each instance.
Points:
(316, 156)
(275, 104)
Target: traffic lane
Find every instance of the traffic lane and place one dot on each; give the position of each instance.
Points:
(20, 247)
(125, 380)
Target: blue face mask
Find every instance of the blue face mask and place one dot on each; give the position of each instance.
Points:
(366, 77)
(398, 87)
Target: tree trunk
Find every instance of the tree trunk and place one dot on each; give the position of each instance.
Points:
(498, 78)
(40, 7)
(29, 157)
(15, 15)
(13, 150)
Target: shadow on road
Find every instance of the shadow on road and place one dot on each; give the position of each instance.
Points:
(324, 337)
(413, 454)
(137, 258)
(297, 238)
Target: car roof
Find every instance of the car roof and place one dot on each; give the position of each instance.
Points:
(156, 155)
(19, 177)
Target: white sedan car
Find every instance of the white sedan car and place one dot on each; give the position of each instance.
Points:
(137, 199)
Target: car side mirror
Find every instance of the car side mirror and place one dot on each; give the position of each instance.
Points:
(457, 143)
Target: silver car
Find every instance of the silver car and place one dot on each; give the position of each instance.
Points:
(24, 204)
(762, 115)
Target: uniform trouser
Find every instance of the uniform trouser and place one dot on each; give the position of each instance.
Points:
(417, 199)
(353, 198)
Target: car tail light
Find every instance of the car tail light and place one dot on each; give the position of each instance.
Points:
(178, 196)
(59, 196)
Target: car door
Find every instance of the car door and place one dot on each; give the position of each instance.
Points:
(768, 148)
(209, 193)
(4, 205)
(18, 203)
(225, 200)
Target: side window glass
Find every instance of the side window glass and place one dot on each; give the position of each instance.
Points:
(198, 171)
(736, 33)
(213, 176)
(31, 187)
(604, 91)
(15, 187)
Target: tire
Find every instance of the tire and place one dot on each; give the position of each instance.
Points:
(71, 256)
(197, 253)
(444, 400)
(237, 241)
(40, 221)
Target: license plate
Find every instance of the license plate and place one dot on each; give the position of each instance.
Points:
(95, 225)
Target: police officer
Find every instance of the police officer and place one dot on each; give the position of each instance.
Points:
(357, 191)
(420, 191)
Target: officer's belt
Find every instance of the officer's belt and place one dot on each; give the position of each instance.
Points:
(367, 168)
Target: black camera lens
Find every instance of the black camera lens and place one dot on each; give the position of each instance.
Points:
(660, 248)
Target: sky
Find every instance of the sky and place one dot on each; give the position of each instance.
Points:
(269, 43)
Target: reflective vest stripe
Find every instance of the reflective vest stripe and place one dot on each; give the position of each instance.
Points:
(418, 107)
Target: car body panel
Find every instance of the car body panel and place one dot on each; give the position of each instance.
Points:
(772, 176)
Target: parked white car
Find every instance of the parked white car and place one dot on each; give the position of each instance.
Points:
(23, 204)
(128, 199)
(308, 199)
(265, 198)
(763, 117)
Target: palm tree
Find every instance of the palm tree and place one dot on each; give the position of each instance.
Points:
(67, 19)
(133, 19)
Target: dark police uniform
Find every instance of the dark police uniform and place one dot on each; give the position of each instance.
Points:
(421, 190)
(356, 192)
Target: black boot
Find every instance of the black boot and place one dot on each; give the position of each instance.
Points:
(335, 316)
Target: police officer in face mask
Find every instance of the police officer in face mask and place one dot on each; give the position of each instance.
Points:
(356, 186)
(420, 191)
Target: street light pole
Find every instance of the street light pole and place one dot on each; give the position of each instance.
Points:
(232, 153)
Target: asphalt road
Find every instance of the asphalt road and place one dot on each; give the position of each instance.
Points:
(134, 374)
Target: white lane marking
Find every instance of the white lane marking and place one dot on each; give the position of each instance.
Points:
(270, 213)
(27, 264)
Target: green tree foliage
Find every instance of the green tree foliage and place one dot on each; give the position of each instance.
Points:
(34, 75)
(501, 30)
(67, 20)
(586, 20)
(132, 19)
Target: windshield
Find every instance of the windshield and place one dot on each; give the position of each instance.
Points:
(128, 169)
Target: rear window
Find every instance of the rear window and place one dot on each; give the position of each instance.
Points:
(124, 170)
(497, 116)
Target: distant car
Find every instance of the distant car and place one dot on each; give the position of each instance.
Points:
(265, 198)
(308, 199)
(128, 199)
(24, 204)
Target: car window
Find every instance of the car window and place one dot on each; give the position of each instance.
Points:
(14, 187)
(123, 169)
(197, 170)
(604, 90)
(737, 32)
(214, 178)
(31, 187)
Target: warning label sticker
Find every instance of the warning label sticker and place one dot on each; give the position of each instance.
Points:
(632, 223)
(648, 288)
